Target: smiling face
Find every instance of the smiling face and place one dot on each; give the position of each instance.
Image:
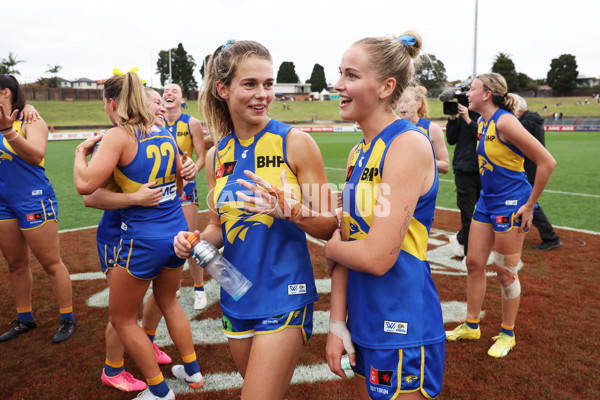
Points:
(477, 95)
(173, 97)
(408, 106)
(250, 93)
(358, 86)
(155, 104)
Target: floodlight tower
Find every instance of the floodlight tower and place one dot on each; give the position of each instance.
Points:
(475, 42)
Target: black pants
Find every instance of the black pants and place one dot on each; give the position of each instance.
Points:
(468, 188)
(540, 221)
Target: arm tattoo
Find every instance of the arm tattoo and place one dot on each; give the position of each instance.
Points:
(405, 225)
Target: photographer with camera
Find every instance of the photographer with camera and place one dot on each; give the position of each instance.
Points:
(462, 132)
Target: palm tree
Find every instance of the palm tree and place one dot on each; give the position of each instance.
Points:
(53, 81)
(10, 63)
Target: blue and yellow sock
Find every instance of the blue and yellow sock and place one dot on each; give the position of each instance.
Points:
(199, 288)
(113, 369)
(472, 323)
(509, 330)
(25, 314)
(190, 364)
(150, 332)
(66, 313)
(158, 386)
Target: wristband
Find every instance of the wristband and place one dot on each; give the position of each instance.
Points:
(14, 137)
(9, 132)
(339, 329)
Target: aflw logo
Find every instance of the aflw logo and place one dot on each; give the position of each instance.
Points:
(400, 328)
(299, 288)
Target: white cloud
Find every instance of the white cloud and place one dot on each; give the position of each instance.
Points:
(91, 38)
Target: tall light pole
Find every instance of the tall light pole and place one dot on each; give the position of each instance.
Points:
(475, 43)
(170, 75)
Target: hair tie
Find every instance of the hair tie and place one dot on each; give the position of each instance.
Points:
(407, 40)
(133, 70)
(184, 106)
(230, 41)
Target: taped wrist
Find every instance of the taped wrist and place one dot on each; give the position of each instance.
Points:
(339, 329)
(286, 204)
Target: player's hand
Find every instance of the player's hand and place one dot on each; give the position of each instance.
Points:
(336, 237)
(87, 146)
(183, 248)
(276, 202)
(335, 348)
(29, 114)
(6, 121)
(146, 196)
(525, 213)
(189, 169)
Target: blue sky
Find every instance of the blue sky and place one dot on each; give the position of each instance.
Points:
(90, 38)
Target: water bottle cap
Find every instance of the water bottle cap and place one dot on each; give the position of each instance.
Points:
(193, 239)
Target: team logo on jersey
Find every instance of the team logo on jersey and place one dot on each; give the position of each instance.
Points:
(484, 166)
(244, 153)
(360, 162)
(298, 288)
(5, 156)
(238, 222)
(34, 217)
(401, 328)
(353, 229)
(225, 169)
(410, 378)
(381, 377)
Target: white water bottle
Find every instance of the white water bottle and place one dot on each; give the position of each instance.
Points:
(207, 256)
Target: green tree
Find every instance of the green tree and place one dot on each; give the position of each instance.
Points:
(525, 83)
(10, 63)
(54, 70)
(287, 73)
(204, 64)
(182, 68)
(504, 66)
(562, 76)
(431, 73)
(317, 79)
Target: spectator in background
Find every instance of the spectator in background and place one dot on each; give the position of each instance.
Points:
(462, 132)
(535, 125)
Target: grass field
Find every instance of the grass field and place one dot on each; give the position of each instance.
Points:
(568, 200)
(91, 113)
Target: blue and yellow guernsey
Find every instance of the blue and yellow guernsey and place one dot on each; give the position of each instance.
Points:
(400, 309)
(272, 253)
(155, 160)
(501, 168)
(180, 130)
(423, 125)
(109, 227)
(20, 181)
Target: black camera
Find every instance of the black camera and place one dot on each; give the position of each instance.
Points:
(451, 107)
